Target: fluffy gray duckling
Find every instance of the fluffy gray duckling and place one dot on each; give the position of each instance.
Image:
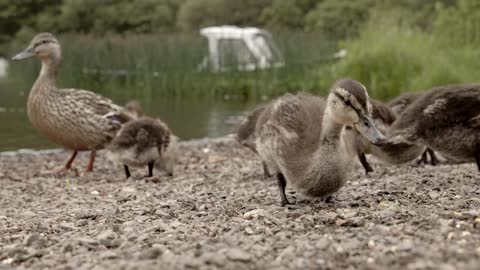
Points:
(144, 142)
(299, 137)
(398, 105)
(245, 134)
(446, 119)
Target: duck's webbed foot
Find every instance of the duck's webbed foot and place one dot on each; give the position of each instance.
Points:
(365, 164)
(282, 183)
(64, 168)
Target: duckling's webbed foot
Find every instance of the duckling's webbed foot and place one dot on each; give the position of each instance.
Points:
(433, 157)
(150, 168)
(127, 171)
(477, 157)
(282, 183)
(365, 164)
(424, 158)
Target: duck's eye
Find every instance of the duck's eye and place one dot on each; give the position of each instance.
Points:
(348, 103)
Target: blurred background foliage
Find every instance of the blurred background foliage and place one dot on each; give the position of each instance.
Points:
(150, 50)
(393, 45)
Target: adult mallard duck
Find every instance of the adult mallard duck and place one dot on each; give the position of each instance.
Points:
(79, 120)
(446, 119)
(299, 137)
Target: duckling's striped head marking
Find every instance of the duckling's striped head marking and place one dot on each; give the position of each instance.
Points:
(350, 98)
(348, 104)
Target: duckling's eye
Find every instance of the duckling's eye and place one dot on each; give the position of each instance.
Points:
(366, 123)
(348, 103)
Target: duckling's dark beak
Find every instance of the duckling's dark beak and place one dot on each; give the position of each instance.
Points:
(367, 128)
(27, 53)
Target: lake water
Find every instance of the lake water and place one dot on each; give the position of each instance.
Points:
(188, 118)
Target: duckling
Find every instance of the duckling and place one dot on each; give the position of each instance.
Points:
(446, 119)
(398, 105)
(383, 117)
(245, 134)
(145, 142)
(299, 137)
(135, 108)
(76, 119)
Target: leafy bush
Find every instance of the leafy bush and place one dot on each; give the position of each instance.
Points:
(391, 56)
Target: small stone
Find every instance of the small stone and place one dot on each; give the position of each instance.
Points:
(32, 238)
(107, 238)
(150, 253)
(466, 233)
(340, 222)
(249, 230)
(254, 214)
(94, 192)
(108, 255)
(383, 205)
(128, 189)
(371, 244)
(433, 195)
(322, 243)
(236, 254)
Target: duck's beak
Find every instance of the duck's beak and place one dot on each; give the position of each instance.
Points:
(367, 128)
(27, 53)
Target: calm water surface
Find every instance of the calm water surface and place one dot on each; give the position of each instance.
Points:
(188, 118)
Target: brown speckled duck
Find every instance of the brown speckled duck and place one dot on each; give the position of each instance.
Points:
(446, 119)
(299, 137)
(76, 119)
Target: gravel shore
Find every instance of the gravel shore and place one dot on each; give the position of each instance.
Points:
(218, 212)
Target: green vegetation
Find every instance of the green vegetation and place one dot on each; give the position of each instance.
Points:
(168, 65)
(393, 46)
(392, 55)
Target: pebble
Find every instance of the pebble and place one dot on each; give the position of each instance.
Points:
(236, 254)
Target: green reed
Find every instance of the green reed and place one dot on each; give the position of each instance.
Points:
(168, 65)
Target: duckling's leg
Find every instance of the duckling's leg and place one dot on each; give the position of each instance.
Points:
(65, 168)
(433, 157)
(266, 173)
(89, 168)
(477, 157)
(150, 168)
(127, 171)
(282, 183)
(365, 164)
(424, 158)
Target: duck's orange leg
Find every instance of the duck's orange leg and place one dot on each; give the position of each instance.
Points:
(89, 168)
(63, 169)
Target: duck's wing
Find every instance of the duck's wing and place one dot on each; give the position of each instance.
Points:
(96, 105)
